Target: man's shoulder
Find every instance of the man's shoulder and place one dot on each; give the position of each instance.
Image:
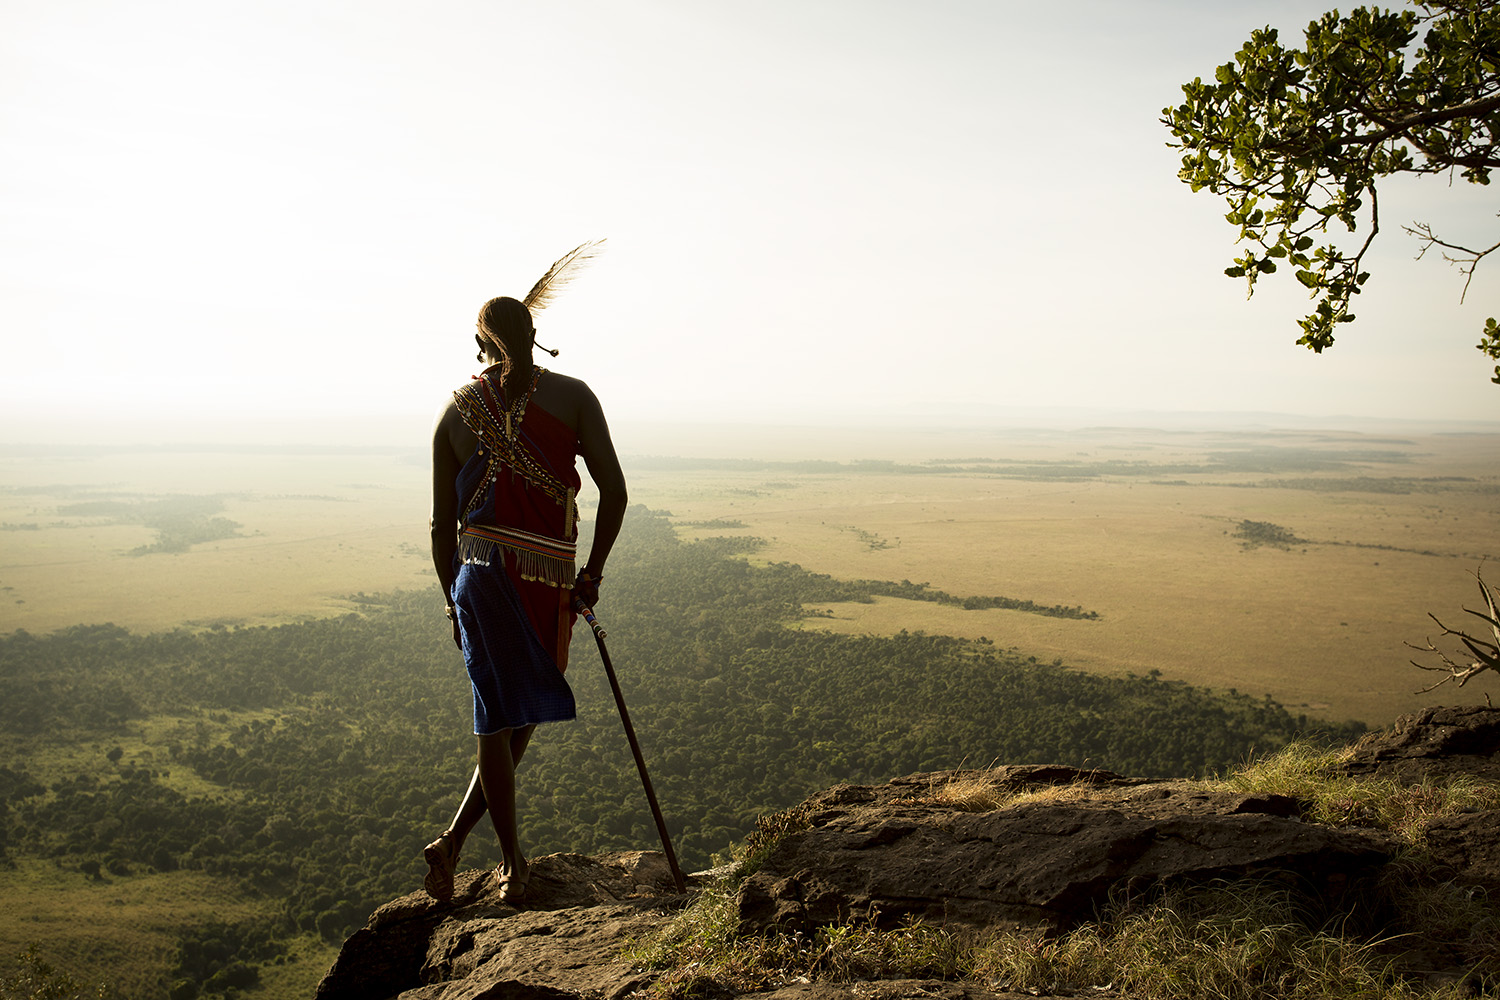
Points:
(470, 390)
(464, 399)
(567, 380)
(575, 390)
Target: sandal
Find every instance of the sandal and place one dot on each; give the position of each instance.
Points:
(442, 862)
(513, 889)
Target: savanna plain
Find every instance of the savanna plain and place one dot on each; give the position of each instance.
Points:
(1284, 564)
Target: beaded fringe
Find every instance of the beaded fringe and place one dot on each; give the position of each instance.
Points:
(554, 572)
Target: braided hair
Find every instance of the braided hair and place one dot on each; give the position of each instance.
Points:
(506, 323)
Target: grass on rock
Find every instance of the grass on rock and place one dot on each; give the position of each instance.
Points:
(1242, 940)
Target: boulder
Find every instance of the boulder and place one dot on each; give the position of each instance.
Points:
(1049, 861)
(1435, 744)
(564, 940)
(1468, 847)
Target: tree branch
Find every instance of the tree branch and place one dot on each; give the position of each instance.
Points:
(1486, 653)
(1471, 109)
(1423, 232)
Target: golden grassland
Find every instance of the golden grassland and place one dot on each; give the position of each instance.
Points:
(316, 529)
(1319, 625)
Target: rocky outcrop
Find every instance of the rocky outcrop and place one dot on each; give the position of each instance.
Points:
(564, 941)
(1433, 744)
(1049, 861)
(1438, 746)
(1046, 855)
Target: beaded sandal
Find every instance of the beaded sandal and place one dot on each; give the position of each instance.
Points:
(512, 889)
(442, 862)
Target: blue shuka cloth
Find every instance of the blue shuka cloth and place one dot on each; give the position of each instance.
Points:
(516, 681)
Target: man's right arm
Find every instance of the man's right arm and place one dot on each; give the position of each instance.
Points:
(599, 457)
(443, 523)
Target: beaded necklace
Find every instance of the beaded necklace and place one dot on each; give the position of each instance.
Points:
(498, 430)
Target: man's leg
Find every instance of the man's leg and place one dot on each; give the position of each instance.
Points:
(520, 739)
(497, 779)
(472, 809)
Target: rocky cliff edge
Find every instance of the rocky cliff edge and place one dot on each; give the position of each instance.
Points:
(1040, 849)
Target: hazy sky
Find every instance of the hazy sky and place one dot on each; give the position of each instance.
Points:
(838, 210)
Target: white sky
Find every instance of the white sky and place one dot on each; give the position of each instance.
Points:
(839, 210)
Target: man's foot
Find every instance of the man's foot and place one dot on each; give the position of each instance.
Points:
(513, 884)
(442, 861)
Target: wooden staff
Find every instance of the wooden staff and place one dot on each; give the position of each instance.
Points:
(635, 746)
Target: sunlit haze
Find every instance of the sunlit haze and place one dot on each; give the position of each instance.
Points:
(249, 218)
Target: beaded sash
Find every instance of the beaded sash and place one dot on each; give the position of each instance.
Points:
(545, 544)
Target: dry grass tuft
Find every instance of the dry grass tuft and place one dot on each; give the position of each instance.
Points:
(1235, 941)
(1232, 941)
(974, 791)
(981, 791)
(769, 831)
(701, 955)
(1308, 773)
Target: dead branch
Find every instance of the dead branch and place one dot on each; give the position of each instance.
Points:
(1486, 653)
(1466, 265)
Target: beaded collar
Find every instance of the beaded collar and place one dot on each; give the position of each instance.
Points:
(495, 391)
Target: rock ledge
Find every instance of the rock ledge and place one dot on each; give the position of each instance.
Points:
(1047, 858)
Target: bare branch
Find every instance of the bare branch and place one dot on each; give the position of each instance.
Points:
(1466, 265)
(1486, 653)
(1461, 673)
